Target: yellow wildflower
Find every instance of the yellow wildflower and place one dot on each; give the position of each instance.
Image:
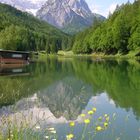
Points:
(87, 121)
(94, 109)
(105, 115)
(70, 136)
(90, 112)
(72, 124)
(107, 119)
(100, 118)
(105, 124)
(98, 128)
(82, 115)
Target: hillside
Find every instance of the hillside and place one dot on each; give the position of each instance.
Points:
(22, 31)
(119, 34)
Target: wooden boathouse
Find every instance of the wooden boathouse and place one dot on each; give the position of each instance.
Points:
(14, 57)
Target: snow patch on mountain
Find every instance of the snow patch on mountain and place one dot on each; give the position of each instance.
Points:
(31, 6)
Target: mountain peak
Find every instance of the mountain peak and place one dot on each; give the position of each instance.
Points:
(58, 12)
(67, 14)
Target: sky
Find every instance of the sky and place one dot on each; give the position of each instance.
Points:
(103, 7)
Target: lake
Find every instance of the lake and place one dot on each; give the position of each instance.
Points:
(44, 97)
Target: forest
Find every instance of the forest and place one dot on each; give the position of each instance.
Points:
(22, 32)
(119, 34)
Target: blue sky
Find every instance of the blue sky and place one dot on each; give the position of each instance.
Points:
(104, 6)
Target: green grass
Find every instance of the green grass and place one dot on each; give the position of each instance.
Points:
(130, 55)
(65, 53)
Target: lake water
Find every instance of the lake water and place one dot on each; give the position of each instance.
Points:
(54, 92)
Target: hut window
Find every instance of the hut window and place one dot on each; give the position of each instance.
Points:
(17, 56)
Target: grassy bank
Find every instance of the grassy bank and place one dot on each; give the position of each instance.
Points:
(133, 55)
(130, 55)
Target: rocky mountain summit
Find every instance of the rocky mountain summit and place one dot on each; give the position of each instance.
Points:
(69, 15)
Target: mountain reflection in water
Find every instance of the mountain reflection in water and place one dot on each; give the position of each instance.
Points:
(59, 90)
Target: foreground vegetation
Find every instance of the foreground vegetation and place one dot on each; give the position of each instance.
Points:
(23, 32)
(13, 129)
(117, 35)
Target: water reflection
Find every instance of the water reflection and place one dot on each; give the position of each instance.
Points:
(13, 70)
(67, 97)
(65, 78)
(59, 90)
(119, 79)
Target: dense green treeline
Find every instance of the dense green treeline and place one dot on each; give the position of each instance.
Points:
(120, 33)
(21, 31)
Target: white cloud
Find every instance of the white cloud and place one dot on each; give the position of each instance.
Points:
(95, 8)
(112, 7)
(32, 11)
(103, 10)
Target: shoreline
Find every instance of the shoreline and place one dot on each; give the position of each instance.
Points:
(131, 55)
(97, 56)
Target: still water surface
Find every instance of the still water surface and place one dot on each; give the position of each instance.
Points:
(56, 91)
